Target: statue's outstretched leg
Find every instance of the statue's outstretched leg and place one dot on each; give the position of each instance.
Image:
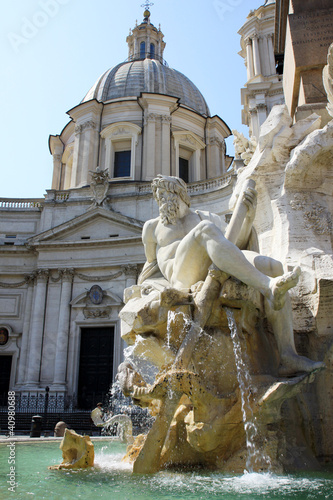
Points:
(205, 245)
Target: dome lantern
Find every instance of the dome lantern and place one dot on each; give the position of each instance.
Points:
(145, 41)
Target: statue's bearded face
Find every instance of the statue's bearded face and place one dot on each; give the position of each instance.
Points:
(169, 206)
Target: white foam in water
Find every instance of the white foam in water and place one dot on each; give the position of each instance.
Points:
(109, 461)
(249, 486)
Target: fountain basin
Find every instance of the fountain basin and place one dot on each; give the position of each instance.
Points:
(111, 478)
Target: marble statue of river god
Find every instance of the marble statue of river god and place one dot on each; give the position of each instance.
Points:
(180, 362)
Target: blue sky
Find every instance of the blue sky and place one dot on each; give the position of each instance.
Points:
(54, 50)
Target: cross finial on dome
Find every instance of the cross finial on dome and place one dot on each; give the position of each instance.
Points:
(147, 4)
(146, 13)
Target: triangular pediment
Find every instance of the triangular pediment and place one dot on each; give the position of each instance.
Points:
(94, 225)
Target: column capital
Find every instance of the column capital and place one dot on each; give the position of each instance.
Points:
(67, 274)
(152, 117)
(42, 275)
(30, 278)
(216, 141)
(248, 41)
(166, 119)
(253, 111)
(90, 124)
(78, 129)
(261, 105)
(130, 271)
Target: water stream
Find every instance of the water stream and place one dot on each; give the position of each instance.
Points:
(255, 455)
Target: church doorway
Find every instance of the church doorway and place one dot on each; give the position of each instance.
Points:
(5, 370)
(96, 365)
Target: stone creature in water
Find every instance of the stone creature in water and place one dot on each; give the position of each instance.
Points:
(125, 427)
(77, 452)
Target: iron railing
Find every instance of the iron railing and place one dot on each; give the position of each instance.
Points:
(147, 55)
(56, 407)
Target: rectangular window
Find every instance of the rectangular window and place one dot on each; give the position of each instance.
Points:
(183, 169)
(122, 164)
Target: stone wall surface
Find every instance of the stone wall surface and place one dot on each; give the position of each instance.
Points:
(293, 174)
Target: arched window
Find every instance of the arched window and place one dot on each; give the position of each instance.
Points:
(152, 51)
(142, 50)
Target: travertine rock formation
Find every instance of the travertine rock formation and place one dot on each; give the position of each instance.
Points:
(77, 451)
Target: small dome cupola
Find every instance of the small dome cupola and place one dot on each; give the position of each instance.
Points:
(145, 41)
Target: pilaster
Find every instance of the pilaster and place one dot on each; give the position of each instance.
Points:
(131, 273)
(30, 279)
(149, 147)
(57, 148)
(59, 380)
(256, 55)
(37, 329)
(249, 58)
(165, 144)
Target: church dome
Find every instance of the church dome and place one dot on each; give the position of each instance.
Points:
(129, 79)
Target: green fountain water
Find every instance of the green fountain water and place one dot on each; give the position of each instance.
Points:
(110, 478)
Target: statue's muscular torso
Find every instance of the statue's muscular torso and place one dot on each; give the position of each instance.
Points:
(162, 241)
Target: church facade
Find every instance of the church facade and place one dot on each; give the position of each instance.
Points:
(67, 258)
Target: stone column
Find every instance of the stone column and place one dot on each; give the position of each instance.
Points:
(148, 47)
(266, 55)
(37, 329)
(265, 67)
(254, 122)
(262, 113)
(60, 363)
(131, 273)
(165, 145)
(76, 155)
(256, 56)
(26, 330)
(249, 57)
(136, 52)
(56, 179)
(89, 150)
(271, 54)
(197, 165)
(216, 162)
(150, 140)
(109, 156)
